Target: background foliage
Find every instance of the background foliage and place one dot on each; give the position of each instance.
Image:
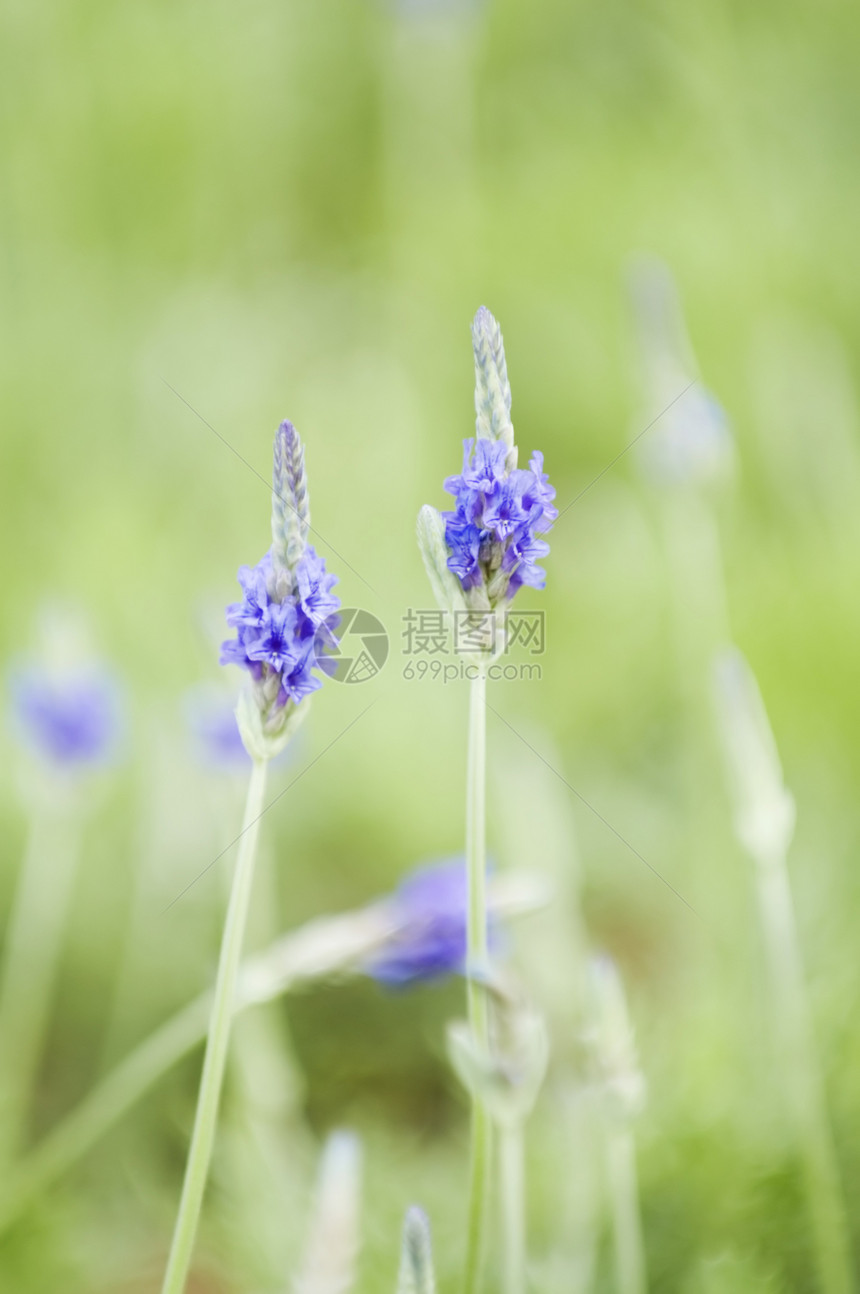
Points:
(226, 215)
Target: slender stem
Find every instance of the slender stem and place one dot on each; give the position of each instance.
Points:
(624, 1195)
(476, 931)
(479, 1182)
(264, 1061)
(802, 1078)
(203, 1136)
(476, 848)
(104, 1105)
(512, 1181)
(314, 950)
(32, 950)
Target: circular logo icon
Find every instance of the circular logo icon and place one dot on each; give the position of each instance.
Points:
(351, 646)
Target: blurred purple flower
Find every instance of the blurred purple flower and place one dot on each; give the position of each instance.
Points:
(210, 716)
(72, 718)
(212, 723)
(429, 917)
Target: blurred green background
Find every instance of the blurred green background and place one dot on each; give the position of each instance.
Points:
(216, 216)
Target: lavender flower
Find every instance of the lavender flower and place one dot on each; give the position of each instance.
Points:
(316, 601)
(71, 718)
(287, 605)
(493, 530)
(492, 534)
(429, 919)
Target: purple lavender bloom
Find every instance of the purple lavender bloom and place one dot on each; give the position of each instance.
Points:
(499, 509)
(429, 913)
(276, 642)
(504, 511)
(299, 681)
(464, 540)
(498, 516)
(250, 612)
(277, 638)
(314, 586)
(484, 468)
(523, 552)
(540, 494)
(73, 719)
(234, 652)
(287, 604)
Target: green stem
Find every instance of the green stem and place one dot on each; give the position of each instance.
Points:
(624, 1196)
(476, 954)
(512, 1183)
(316, 950)
(203, 1136)
(32, 950)
(803, 1084)
(265, 1064)
(104, 1105)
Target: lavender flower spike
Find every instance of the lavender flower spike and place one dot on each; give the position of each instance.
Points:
(291, 506)
(492, 389)
(286, 608)
(492, 535)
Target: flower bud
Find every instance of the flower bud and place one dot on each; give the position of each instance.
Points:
(611, 1045)
(507, 1077)
(416, 1255)
(764, 812)
(447, 589)
(492, 389)
(329, 1266)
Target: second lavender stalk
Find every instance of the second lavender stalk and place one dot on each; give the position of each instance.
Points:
(477, 556)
